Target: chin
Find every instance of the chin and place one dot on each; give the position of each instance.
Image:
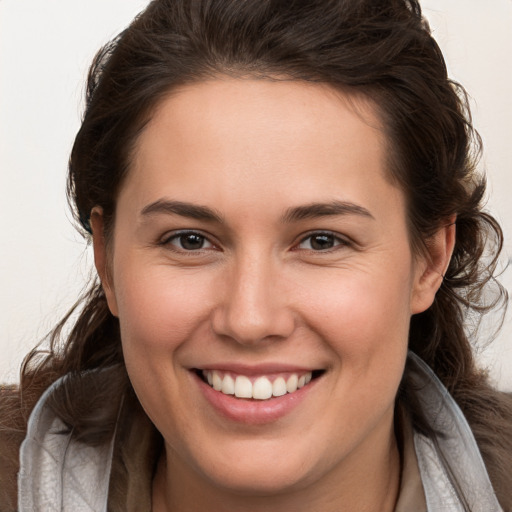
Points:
(263, 472)
(260, 481)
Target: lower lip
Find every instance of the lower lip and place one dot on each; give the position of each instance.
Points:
(253, 412)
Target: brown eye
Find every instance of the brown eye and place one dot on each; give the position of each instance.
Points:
(188, 241)
(191, 242)
(321, 242)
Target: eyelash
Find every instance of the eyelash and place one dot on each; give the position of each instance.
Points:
(336, 240)
(167, 241)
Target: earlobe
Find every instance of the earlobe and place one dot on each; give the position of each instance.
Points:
(431, 267)
(101, 258)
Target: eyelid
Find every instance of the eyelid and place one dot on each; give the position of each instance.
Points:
(343, 241)
(166, 239)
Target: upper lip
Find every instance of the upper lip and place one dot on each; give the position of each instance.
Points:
(258, 369)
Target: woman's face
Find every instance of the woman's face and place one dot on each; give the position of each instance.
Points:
(258, 243)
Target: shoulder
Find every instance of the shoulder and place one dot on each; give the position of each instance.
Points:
(490, 417)
(12, 433)
(472, 421)
(15, 409)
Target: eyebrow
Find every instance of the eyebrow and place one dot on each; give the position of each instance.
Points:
(183, 209)
(314, 210)
(294, 214)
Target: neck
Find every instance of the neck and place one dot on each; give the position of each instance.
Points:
(370, 485)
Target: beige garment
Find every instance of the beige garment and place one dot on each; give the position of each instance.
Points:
(411, 497)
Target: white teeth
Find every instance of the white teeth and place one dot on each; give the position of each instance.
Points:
(279, 387)
(228, 385)
(216, 381)
(243, 387)
(261, 389)
(291, 383)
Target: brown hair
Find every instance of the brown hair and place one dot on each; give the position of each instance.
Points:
(379, 48)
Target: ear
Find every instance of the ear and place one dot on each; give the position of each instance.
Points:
(101, 260)
(432, 266)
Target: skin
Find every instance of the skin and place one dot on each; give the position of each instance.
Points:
(258, 291)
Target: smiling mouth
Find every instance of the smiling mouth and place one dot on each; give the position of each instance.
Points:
(257, 388)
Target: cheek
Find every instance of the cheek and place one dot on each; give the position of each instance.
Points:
(359, 306)
(364, 319)
(159, 313)
(159, 310)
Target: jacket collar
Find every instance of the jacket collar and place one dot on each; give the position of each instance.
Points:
(452, 470)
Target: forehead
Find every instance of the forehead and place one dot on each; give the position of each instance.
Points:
(266, 107)
(229, 139)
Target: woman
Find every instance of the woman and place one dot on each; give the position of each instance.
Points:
(288, 232)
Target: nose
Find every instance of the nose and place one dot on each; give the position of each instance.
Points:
(253, 305)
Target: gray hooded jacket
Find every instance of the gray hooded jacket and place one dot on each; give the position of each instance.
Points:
(60, 474)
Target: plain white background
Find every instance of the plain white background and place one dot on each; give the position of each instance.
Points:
(45, 49)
